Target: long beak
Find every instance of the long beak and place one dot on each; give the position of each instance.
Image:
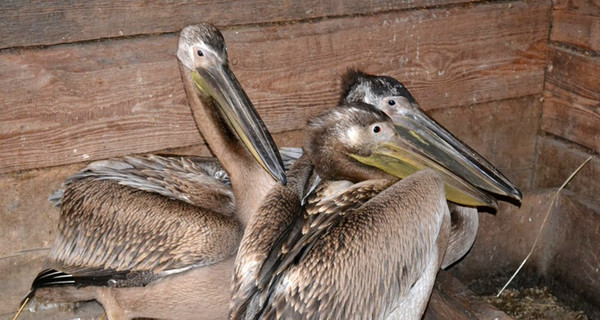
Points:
(235, 106)
(438, 144)
(422, 143)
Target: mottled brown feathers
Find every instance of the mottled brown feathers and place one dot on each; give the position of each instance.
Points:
(326, 145)
(368, 257)
(200, 181)
(104, 225)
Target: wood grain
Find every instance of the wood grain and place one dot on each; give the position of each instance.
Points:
(572, 98)
(491, 129)
(81, 102)
(566, 258)
(70, 103)
(557, 159)
(574, 261)
(38, 22)
(577, 22)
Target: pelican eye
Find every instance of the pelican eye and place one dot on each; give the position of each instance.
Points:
(200, 53)
(392, 102)
(376, 129)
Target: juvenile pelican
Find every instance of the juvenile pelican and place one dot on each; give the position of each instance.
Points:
(361, 244)
(142, 254)
(425, 136)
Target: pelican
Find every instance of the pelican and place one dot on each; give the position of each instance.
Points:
(392, 97)
(143, 254)
(353, 242)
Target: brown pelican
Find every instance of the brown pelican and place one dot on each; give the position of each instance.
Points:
(140, 253)
(360, 244)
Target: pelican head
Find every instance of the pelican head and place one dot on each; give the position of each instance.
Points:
(424, 135)
(202, 55)
(357, 141)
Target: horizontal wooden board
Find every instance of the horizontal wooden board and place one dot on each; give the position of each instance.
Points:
(493, 131)
(577, 22)
(71, 103)
(82, 102)
(504, 239)
(557, 159)
(35, 22)
(572, 97)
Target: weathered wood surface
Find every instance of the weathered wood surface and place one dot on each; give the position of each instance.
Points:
(504, 239)
(556, 160)
(38, 22)
(573, 263)
(492, 130)
(577, 22)
(566, 256)
(572, 97)
(70, 103)
(451, 300)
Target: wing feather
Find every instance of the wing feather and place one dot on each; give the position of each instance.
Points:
(107, 228)
(357, 256)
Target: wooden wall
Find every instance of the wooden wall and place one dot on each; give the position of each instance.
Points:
(567, 257)
(571, 133)
(82, 82)
(571, 108)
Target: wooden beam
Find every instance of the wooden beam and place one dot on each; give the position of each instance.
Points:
(35, 22)
(556, 160)
(70, 103)
(577, 22)
(491, 129)
(572, 97)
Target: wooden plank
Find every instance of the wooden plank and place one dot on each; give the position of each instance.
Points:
(490, 128)
(38, 22)
(71, 103)
(556, 160)
(504, 239)
(574, 263)
(82, 102)
(572, 97)
(577, 22)
(436, 53)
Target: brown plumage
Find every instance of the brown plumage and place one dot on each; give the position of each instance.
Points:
(137, 231)
(368, 247)
(153, 236)
(335, 258)
(392, 97)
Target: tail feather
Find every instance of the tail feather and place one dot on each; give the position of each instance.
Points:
(55, 278)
